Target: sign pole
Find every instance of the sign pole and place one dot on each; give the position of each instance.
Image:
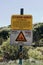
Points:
(20, 49)
(20, 53)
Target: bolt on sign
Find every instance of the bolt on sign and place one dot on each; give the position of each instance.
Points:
(21, 30)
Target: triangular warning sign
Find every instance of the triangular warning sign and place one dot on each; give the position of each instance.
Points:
(21, 37)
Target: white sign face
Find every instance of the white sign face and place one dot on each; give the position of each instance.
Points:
(21, 37)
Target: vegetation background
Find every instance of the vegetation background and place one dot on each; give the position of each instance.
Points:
(8, 52)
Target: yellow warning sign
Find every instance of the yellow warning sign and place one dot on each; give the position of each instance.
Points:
(21, 37)
(21, 22)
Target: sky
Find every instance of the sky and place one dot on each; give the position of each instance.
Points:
(11, 7)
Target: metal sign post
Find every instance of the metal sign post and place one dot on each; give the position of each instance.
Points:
(20, 59)
(21, 32)
(20, 53)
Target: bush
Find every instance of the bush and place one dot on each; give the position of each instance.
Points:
(35, 54)
(12, 52)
